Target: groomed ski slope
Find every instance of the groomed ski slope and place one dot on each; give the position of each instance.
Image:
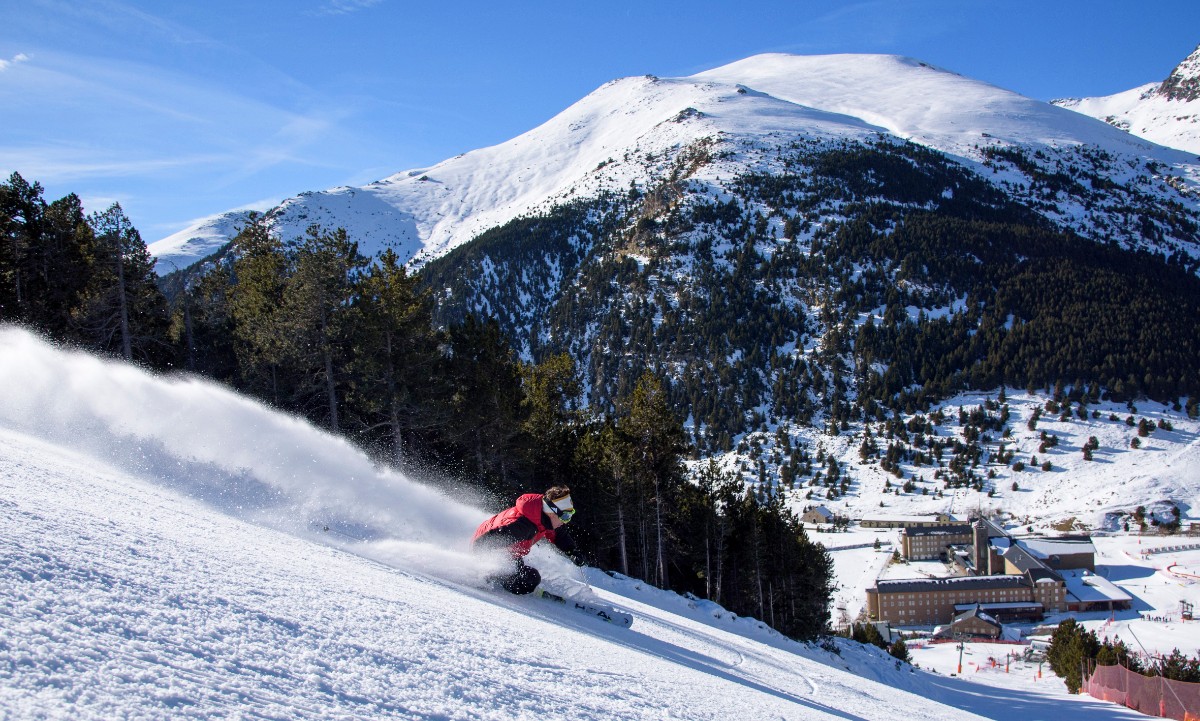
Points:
(163, 554)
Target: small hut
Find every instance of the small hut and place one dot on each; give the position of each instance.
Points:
(975, 624)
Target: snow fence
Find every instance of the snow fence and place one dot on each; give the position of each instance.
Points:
(1151, 695)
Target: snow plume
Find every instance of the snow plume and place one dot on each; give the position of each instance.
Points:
(249, 461)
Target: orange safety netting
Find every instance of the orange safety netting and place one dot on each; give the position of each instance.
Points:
(1152, 695)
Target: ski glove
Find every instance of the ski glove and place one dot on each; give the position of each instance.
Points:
(563, 540)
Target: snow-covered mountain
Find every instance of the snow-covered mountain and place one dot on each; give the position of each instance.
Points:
(1167, 112)
(172, 550)
(632, 130)
(737, 229)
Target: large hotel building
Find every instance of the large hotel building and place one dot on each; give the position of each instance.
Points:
(1007, 579)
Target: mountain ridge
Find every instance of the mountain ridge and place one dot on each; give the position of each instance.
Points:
(1165, 112)
(1183, 84)
(602, 142)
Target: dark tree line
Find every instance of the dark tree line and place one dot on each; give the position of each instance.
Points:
(312, 327)
(84, 279)
(713, 538)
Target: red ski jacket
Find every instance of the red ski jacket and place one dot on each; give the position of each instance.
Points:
(519, 527)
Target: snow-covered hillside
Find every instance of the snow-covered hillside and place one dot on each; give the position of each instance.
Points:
(165, 555)
(1167, 113)
(1056, 490)
(631, 130)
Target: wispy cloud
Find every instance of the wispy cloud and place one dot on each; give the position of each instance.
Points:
(344, 7)
(290, 144)
(60, 164)
(18, 58)
(94, 101)
(120, 18)
(162, 127)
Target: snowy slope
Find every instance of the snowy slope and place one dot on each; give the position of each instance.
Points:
(628, 130)
(1146, 114)
(198, 240)
(164, 556)
(1156, 111)
(1093, 495)
(917, 101)
(426, 212)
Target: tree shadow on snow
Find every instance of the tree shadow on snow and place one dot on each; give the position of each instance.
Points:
(687, 658)
(1009, 703)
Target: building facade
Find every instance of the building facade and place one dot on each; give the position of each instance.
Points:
(1007, 578)
(820, 514)
(926, 543)
(926, 602)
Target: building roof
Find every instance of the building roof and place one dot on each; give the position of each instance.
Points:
(993, 530)
(1021, 559)
(1000, 543)
(1043, 575)
(1067, 546)
(959, 529)
(976, 612)
(1090, 588)
(899, 518)
(907, 585)
(1010, 606)
(822, 510)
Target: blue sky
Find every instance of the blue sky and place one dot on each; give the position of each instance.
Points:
(184, 109)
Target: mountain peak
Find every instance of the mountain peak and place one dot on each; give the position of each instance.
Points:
(1183, 83)
(623, 133)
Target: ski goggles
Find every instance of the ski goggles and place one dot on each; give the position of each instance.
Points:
(564, 514)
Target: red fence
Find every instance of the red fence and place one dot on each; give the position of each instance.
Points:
(1152, 695)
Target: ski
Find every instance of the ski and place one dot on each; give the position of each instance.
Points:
(607, 613)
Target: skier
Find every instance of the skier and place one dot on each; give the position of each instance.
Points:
(533, 517)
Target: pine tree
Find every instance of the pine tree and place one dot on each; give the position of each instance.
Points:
(317, 317)
(202, 325)
(122, 310)
(551, 422)
(46, 257)
(485, 402)
(259, 274)
(64, 265)
(719, 491)
(21, 209)
(657, 442)
(1070, 646)
(397, 379)
(600, 460)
